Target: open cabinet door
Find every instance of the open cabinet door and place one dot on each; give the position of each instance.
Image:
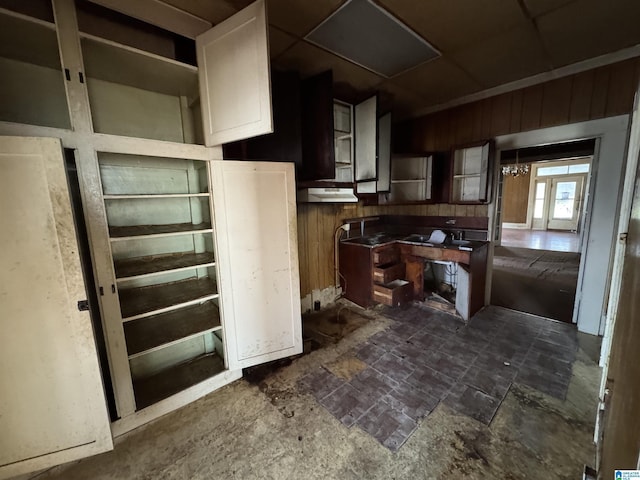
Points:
(365, 119)
(235, 86)
(256, 234)
(52, 404)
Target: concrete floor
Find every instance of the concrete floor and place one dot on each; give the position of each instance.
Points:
(275, 431)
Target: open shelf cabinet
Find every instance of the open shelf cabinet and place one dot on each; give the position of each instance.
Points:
(158, 213)
(470, 173)
(411, 178)
(30, 62)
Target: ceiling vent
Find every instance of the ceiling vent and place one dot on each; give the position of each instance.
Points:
(367, 35)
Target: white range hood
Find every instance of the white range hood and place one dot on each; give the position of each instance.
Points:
(326, 195)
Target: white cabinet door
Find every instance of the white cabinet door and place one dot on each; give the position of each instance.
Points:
(235, 88)
(256, 234)
(366, 141)
(384, 153)
(52, 404)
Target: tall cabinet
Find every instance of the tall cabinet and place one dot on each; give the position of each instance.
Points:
(195, 258)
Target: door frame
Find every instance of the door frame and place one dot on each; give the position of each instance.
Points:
(611, 140)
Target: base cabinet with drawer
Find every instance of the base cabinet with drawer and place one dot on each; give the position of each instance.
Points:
(372, 275)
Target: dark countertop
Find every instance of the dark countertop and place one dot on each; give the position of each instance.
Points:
(415, 239)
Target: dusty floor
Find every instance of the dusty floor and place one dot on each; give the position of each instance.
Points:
(270, 429)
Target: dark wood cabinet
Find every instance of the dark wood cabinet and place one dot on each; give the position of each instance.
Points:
(318, 148)
(285, 143)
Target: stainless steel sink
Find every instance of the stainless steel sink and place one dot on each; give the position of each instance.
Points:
(460, 243)
(418, 239)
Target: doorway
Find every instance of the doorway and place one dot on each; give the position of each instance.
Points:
(537, 261)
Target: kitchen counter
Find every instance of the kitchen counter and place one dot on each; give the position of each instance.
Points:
(387, 268)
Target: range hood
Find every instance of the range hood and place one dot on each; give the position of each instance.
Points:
(326, 195)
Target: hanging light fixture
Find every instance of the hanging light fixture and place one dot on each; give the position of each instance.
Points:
(517, 169)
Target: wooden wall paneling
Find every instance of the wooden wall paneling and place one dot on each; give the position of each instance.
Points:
(622, 86)
(303, 248)
(486, 118)
(477, 120)
(556, 102)
(501, 114)
(464, 124)
(600, 92)
(531, 107)
(516, 111)
(581, 92)
(329, 228)
(515, 197)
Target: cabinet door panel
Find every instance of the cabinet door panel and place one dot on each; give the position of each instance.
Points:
(318, 153)
(366, 141)
(255, 219)
(233, 67)
(384, 153)
(52, 404)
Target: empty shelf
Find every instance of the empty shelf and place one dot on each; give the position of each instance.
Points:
(124, 233)
(146, 301)
(146, 196)
(155, 264)
(157, 331)
(175, 379)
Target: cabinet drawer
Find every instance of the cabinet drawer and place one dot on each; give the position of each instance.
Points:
(386, 255)
(388, 272)
(393, 294)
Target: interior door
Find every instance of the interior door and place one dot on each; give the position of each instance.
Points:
(366, 141)
(565, 202)
(256, 234)
(233, 69)
(52, 404)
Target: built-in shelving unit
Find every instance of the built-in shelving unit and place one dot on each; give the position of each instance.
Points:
(164, 92)
(30, 62)
(411, 178)
(159, 218)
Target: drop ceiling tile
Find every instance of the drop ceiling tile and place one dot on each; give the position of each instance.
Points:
(452, 25)
(279, 41)
(310, 60)
(539, 7)
(299, 17)
(588, 28)
(509, 56)
(437, 81)
(401, 102)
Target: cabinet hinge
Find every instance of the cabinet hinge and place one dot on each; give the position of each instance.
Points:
(113, 288)
(101, 292)
(83, 305)
(81, 77)
(67, 74)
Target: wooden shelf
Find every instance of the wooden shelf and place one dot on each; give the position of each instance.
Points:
(158, 331)
(113, 62)
(410, 180)
(135, 231)
(28, 39)
(154, 195)
(162, 385)
(155, 299)
(466, 175)
(159, 264)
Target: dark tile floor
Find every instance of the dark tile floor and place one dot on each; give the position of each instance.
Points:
(427, 356)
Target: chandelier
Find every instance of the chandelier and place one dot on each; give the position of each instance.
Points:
(517, 169)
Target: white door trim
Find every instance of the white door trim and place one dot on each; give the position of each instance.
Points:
(597, 250)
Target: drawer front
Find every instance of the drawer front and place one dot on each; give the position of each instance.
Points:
(389, 272)
(393, 294)
(386, 255)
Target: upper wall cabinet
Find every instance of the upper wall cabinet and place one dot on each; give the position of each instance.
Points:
(470, 173)
(317, 118)
(233, 60)
(366, 147)
(284, 144)
(32, 86)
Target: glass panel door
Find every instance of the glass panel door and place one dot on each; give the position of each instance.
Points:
(564, 207)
